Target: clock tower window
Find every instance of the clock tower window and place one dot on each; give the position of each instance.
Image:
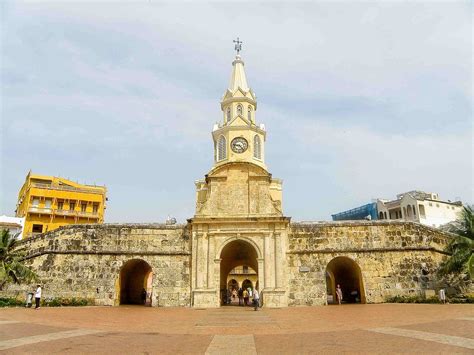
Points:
(249, 113)
(228, 115)
(221, 148)
(257, 148)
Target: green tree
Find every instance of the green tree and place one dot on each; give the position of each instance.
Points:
(12, 267)
(461, 247)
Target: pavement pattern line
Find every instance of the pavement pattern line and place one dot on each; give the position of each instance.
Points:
(466, 318)
(2, 322)
(28, 340)
(435, 337)
(232, 344)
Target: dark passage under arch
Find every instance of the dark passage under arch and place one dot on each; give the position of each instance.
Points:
(135, 276)
(345, 272)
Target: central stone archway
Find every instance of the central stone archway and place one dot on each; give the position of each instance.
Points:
(135, 277)
(234, 254)
(345, 272)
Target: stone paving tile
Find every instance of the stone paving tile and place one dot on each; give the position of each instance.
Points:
(356, 341)
(428, 336)
(122, 343)
(455, 327)
(287, 330)
(232, 345)
(49, 337)
(18, 330)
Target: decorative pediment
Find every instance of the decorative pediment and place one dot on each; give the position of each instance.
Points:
(239, 121)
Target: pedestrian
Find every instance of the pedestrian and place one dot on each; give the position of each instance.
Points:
(234, 294)
(144, 296)
(442, 296)
(339, 293)
(37, 296)
(256, 299)
(240, 293)
(246, 297)
(228, 295)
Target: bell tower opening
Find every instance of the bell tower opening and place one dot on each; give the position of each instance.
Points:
(238, 269)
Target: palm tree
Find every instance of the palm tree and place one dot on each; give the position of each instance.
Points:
(461, 247)
(12, 267)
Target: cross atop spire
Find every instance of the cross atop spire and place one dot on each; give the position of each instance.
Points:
(238, 45)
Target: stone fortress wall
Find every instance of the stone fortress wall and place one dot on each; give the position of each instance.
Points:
(395, 258)
(85, 261)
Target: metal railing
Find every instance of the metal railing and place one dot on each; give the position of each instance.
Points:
(66, 188)
(63, 212)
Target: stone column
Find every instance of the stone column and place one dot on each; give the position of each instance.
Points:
(278, 260)
(267, 261)
(200, 260)
(194, 260)
(261, 273)
(210, 263)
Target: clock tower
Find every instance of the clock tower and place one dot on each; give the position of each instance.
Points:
(237, 136)
(238, 219)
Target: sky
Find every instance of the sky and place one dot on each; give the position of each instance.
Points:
(360, 100)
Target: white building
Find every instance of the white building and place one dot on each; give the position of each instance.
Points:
(12, 224)
(418, 206)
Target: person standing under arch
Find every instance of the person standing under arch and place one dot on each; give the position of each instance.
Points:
(339, 294)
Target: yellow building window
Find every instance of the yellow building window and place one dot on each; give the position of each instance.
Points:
(72, 206)
(60, 205)
(37, 228)
(95, 208)
(83, 206)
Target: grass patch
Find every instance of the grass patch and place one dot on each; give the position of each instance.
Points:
(434, 299)
(67, 302)
(412, 299)
(10, 302)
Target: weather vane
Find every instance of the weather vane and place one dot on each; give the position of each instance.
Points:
(238, 45)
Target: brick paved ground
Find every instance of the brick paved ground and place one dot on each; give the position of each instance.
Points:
(381, 328)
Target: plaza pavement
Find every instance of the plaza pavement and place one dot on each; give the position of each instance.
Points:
(382, 328)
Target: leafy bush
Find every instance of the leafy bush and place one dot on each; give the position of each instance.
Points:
(67, 302)
(10, 302)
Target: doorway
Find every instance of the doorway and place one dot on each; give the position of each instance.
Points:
(238, 263)
(136, 282)
(345, 272)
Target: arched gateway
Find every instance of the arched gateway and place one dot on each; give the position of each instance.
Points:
(345, 272)
(135, 279)
(236, 253)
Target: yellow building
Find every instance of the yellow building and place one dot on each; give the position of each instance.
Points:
(48, 202)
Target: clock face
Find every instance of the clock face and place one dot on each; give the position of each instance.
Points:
(239, 145)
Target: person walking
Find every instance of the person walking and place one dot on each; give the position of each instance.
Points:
(246, 297)
(256, 299)
(240, 293)
(37, 296)
(442, 296)
(339, 294)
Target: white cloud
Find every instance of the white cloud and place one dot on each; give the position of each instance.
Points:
(375, 98)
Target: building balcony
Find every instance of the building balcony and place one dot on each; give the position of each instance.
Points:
(40, 210)
(69, 213)
(65, 188)
(76, 213)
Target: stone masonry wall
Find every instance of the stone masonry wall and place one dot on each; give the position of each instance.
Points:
(85, 261)
(395, 258)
